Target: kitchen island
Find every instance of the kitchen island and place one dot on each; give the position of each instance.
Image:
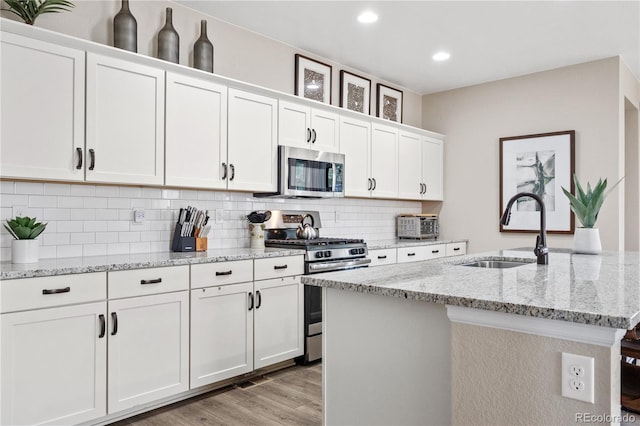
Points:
(436, 342)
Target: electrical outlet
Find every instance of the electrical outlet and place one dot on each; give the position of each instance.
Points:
(138, 215)
(219, 215)
(578, 377)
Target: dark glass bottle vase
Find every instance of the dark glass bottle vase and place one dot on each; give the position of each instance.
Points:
(203, 50)
(169, 41)
(125, 29)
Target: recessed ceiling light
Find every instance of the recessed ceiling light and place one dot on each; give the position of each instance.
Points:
(441, 56)
(367, 17)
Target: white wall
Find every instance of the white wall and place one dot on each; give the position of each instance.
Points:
(584, 98)
(238, 53)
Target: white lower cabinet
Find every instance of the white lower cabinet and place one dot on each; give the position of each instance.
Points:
(53, 365)
(148, 349)
(390, 256)
(418, 253)
(221, 332)
(382, 257)
(278, 320)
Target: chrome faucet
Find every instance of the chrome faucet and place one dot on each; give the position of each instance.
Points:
(541, 249)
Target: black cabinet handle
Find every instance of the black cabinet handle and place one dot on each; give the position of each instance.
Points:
(79, 165)
(425, 188)
(411, 254)
(103, 326)
(114, 319)
(374, 184)
(314, 136)
(229, 272)
(259, 302)
(92, 154)
(233, 171)
(308, 134)
(435, 251)
(224, 173)
(382, 257)
(277, 267)
(370, 184)
(456, 249)
(156, 281)
(250, 301)
(56, 290)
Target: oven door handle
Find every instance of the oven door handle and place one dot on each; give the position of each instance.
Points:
(336, 266)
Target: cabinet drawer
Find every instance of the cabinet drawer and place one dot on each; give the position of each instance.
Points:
(140, 282)
(416, 254)
(274, 267)
(45, 292)
(221, 273)
(382, 257)
(456, 249)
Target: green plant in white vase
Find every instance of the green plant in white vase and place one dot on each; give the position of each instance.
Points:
(29, 10)
(586, 206)
(24, 248)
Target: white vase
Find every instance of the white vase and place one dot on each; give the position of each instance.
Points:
(587, 241)
(257, 235)
(24, 251)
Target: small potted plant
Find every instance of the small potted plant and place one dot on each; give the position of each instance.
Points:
(586, 206)
(24, 249)
(29, 10)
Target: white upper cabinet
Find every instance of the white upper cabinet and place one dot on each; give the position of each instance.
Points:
(305, 127)
(384, 161)
(196, 132)
(433, 168)
(355, 144)
(410, 171)
(252, 142)
(125, 121)
(42, 112)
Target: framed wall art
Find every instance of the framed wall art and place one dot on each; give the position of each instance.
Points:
(540, 164)
(355, 92)
(312, 79)
(389, 105)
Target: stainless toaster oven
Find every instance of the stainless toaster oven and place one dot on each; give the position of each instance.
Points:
(417, 226)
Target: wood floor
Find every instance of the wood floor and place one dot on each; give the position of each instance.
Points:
(292, 396)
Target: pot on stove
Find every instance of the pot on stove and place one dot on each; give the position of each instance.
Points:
(306, 230)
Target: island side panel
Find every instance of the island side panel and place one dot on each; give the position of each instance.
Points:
(504, 377)
(386, 361)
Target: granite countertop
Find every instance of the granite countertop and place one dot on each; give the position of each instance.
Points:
(387, 244)
(80, 265)
(599, 290)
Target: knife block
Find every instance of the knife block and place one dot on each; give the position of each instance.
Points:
(181, 244)
(201, 244)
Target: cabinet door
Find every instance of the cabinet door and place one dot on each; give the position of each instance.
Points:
(384, 161)
(355, 144)
(252, 142)
(278, 320)
(410, 173)
(432, 168)
(294, 125)
(53, 365)
(381, 257)
(221, 332)
(148, 349)
(125, 122)
(325, 127)
(42, 111)
(196, 132)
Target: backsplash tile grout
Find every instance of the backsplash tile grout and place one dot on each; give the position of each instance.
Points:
(93, 220)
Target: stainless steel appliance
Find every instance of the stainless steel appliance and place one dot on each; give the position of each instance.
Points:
(320, 255)
(417, 226)
(303, 173)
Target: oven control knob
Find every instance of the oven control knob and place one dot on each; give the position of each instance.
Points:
(353, 251)
(361, 251)
(319, 254)
(327, 253)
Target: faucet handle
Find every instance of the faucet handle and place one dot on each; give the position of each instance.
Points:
(540, 249)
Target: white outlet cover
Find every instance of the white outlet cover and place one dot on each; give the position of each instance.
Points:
(219, 216)
(578, 377)
(138, 215)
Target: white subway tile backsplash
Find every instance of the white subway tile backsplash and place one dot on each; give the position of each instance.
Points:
(97, 220)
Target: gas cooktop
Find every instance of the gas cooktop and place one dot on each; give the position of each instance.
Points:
(314, 242)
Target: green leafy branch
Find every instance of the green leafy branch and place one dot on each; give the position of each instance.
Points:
(29, 10)
(24, 228)
(586, 205)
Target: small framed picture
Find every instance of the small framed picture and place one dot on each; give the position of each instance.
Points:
(541, 164)
(389, 105)
(312, 79)
(355, 92)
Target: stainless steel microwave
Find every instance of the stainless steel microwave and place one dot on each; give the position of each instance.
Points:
(304, 173)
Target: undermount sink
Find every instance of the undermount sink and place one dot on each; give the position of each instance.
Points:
(496, 264)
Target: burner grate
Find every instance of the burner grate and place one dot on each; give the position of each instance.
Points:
(314, 242)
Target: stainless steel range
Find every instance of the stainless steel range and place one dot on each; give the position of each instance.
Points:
(294, 229)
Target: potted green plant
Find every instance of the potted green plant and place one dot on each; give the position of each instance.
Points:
(586, 206)
(29, 10)
(24, 248)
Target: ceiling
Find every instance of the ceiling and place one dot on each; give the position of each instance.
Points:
(488, 40)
